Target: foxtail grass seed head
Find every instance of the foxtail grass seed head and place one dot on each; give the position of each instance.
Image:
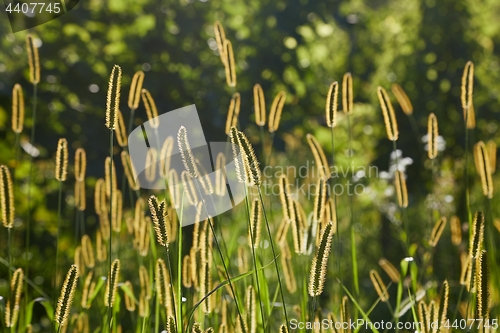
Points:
(170, 326)
(112, 283)
(101, 251)
(229, 64)
(259, 105)
(197, 328)
(491, 147)
(165, 156)
(319, 267)
(286, 262)
(144, 282)
(443, 302)
(379, 286)
(110, 176)
(150, 167)
(186, 153)
(332, 104)
(483, 166)
(391, 124)
(80, 196)
(143, 245)
(6, 197)
(233, 112)
(456, 230)
(162, 283)
(117, 211)
(320, 200)
(319, 157)
(390, 270)
(143, 306)
(465, 264)
(134, 95)
(255, 224)
(297, 227)
(251, 306)
(437, 231)
(66, 298)
(88, 251)
(477, 235)
(129, 301)
(61, 160)
(121, 130)
(151, 110)
(483, 287)
(283, 329)
(220, 37)
(402, 98)
(347, 95)
(285, 199)
(205, 274)
(17, 109)
(237, 155)
(113, 97)
(87, 290)
(276, 110)
(432, 136)
(331, 213)
(250, 162)
(128, 167)
(80, 164)
(466, 95)
(401, 190)
(220, 171)
(13, 305)
(242, 260)
(160, 219)
(186, 271)
(33, 60)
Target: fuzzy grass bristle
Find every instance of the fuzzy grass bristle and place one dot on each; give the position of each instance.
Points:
(402, 98)
(61, 170)
(483, 285)
(17, 109)
(66, 298)
(347, 94)
(379, 286)
(259, 105)
(187, 153)
(466, 96)
(319, 157)
(255, 224)
(13, 304)
(134, 95)
(319, 266)
(159, 216)
(276, 110)
(432, 136)
(7, 197)
(233, 112)
(33, 60)
(112, 283)
(332, 105)
(113, 97)
(151, 109)
(250, 163)
(391, 124)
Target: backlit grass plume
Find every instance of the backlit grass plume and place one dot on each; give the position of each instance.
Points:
(437, 231)
(444, 299)
(220, 37)
(233, 112)
(117, 211)
(150, 167)
(432, 135)
(13, 304)
(220, 180)
(483, 287)
(276, 110)
(166, 156)
(80, 164)
(113, 97)
(319, 266)
(163, 283)
(186, 153)
(129, 301)
(229, 64)
(250, 163)
(402, 98)
(109, 176)
(390, 270)
(401, 190)
(391, 124)
(6, 197)
(237, 155)
(477, 235)
(88, 290)
(33, 60)
(88, 251)
(61, 160)
(134, 95)
(66, 298)
(379, 286)
(347, 95)
(251, 306)
(259, 105)
(17, 108)
(319, 157)
(112, 284)
(160, 219)
(466, 96)
(332, 104)
(286, 204)
(121, 130)
(491, 147)
(189, 188)
(456, 230)
(483, 166)
(151, 110)
(128, 167)
(255, 223)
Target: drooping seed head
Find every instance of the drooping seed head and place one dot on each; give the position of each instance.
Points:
(134, 95)
(229, 64)
(186, 153)
(402, 98)
(66, 298)
(432, 136)
(259, 105)
(33, 60)
(233, 112)
(61, 160)
(163, 283)
(113, 97)
(319, 157)
(17, 109)
(332, 105)
(347, 95)
(151, 110)
(391, 124)
(6, 197)
(276, 110)
(437, 231)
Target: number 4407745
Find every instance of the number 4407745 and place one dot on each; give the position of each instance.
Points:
(34, 8)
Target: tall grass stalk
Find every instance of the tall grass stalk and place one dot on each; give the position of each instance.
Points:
(110, 249)
(56, 284)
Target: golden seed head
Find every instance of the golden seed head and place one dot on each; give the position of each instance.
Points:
(113, 97)
(229, 63)
(285, 199)
(174, 189)
(80, 196)
(491, 147)
(233, 112)
(298, 226)
(319, 157)
(319, 266)
(144, 282)
(112, 283)
(483, 288)
(88, 251)
(151, 110)
(121, 130)
(259, 105)
(432, 136)
(143, 306)
(251, 307)
(379, 285)
(466, 95)
(283, 329)
(477, 235)
(332, 105)
(443, 302)
(347, 95)
(129, 301)
(189, 188)
(402, 98)
(66, 298)
(483, 166)
(170, 326)
(391, 124)
(401, 190)
(205, 273)
(320, 200)
(276, 109)
(6, 197)
(286, 262)
(134, 95)
(237, 155)
(186, 271)
(117, 211)
(33, 60)
(13, 305)
(101, 250)
(250, 162)
(255, 224)
(110, 176)
(165, 156)
(456, 230)
(61, 160)
(17, 109)
(220, 171)
(128, 167)
(150, 166)
(437, 231)
(220, 37)
(186, 153)
(80, 164)
(159, 216)
(390, 270)
(87, 290)
(100, 202)
(163, 283)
